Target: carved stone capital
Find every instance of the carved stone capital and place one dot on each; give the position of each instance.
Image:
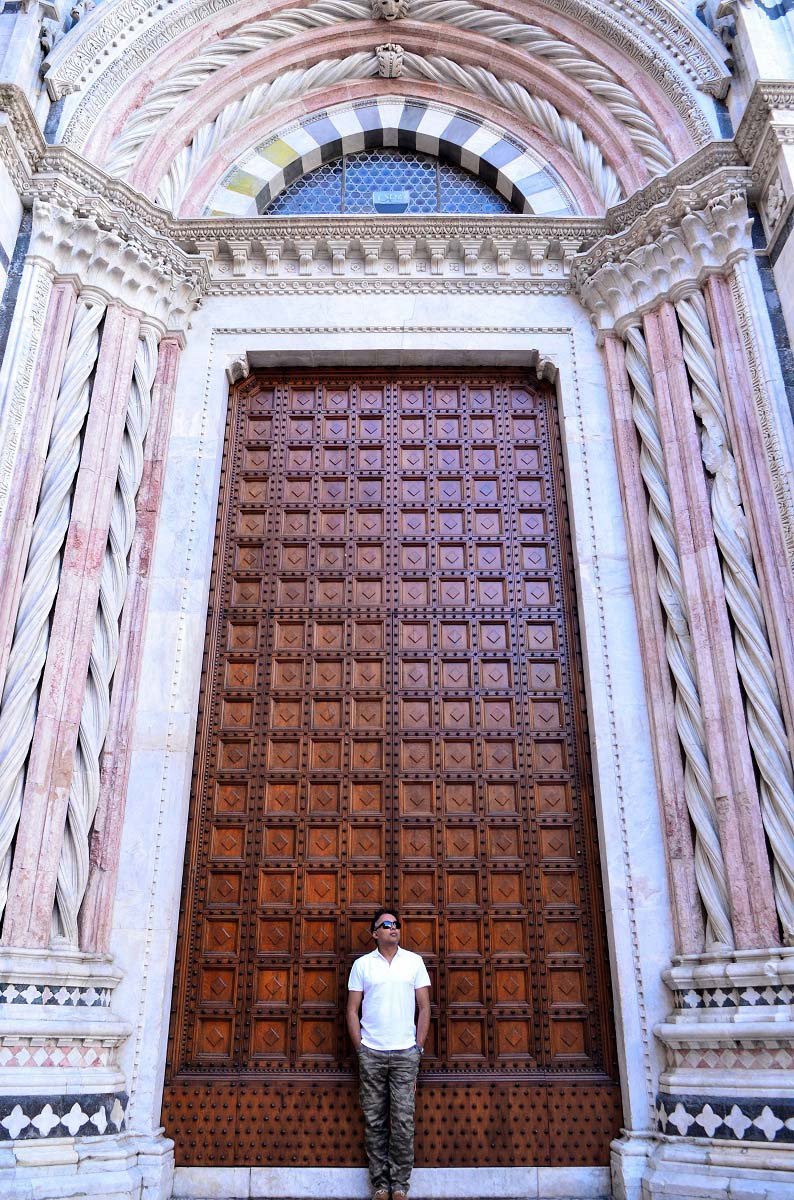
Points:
(108, 253)
(635, 278)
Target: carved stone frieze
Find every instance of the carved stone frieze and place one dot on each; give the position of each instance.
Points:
(666, 255)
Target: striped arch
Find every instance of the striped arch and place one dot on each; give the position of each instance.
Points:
(518, 174)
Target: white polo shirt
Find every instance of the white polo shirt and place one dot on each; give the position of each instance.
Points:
(389, 1003)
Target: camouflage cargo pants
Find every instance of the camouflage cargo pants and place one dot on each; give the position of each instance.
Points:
(387, 1080)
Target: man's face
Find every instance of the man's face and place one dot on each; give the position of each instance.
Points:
(386, 937)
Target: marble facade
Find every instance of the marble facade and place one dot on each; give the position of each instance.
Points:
(660, 305)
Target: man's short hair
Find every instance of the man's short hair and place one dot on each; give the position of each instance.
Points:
(380, 913)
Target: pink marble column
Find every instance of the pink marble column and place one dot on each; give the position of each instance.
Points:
(736, 795)
(755, 478)
(97, 909)
(38, 847)
(687, 913)
(15, 539)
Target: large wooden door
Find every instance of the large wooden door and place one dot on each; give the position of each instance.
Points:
(392, 712)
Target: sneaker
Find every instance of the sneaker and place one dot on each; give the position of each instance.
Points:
(380, 1194)
(399, 1196)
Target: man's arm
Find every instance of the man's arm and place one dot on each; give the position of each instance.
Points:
(353, 1018)
(423, 1017)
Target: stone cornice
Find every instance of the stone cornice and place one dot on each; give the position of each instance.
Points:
(767, 123)
(21, 140)
(666, 255)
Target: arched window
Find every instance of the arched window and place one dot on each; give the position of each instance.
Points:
(387, 181)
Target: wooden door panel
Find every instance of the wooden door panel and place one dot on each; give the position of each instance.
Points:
(391, 712)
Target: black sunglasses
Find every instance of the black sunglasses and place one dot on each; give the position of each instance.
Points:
(387, 925)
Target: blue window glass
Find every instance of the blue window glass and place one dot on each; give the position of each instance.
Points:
(387, 181)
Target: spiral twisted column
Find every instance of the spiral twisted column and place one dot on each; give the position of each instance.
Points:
(765, 725)
(84, 789)
(40, 585)
(710, 870)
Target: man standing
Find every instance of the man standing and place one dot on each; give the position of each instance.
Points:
(385, 989)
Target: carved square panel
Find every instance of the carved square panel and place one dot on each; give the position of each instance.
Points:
(504, 841)
(465, 986)
(325, 796)
(415, 593)
(549, 755)
(497, 713)
(368, 591)
(532, 522)
(325, 754)
(370, 427)
(297, 490)
(496, 674)
(270, 1038)
(233, 756)
(370, 523)
(486, 490)
(450, 490)
(453, 592)
(217, 985)
(417, 842)
(328, 673)
(494, 636)
(369, 635)
(318, 987)
(329, 635)
(370, 458)
(556, 843)
(334, 458)
(369, 557)
(562, 936)
(452, 556)
(321, 888)
(492, 593)
(322, 842)
(513, 1037)
(366, 797)
(221, 935)
(416, 797)
(274, 935)
(525, 428)
(330, 557)
(539, 592)
(214, 1037)
(457, 713)
(248, 558)
(277, 888)
(332, 524)
(484, 458)
(546, 715)
(224, 888)
(282, 796)
(369, 673)
(302, 399)
(368, 713)
(566, 986)
(501, 797)
(466, 1038)
(327, 713)
(488, 556)
(231, 797)
(369, 491)
(413, 458)
(454, 635)
(237, 714)
(412, 397)
(295, 523)
(527, 458)
(242, 635)
(451, 522)
(552, 798)
(280, 842)
(336, 428)
(449, 458)
(366, 888)
(448, 427)
(254, 491)
(366, 842)
(480, 398)
(420, 934)
(413, 428)
(568, 1039)
(511, 986)
(246, 592)
(541, 635)
(417, 889)
(359, 938)
(371, 397)
(333, 490)
(337, 399)
(506, 889)
(367, 754)
(414, 557)
(462, 889)
(508, 935)
(227, 841)
(258, 428)
(286, 714)
(414, 635)
(413, 490)
(460, 796)
(292, 593)
(414, 522)
(544, 674)
(416, 714)
(284, 754)
(458, 754)
(487, 522)
(461, 841)
(446, 397)
(415, 673)
(293, 557)
(456, 674)
(500, 754)
(416, 754)
(559, 887)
